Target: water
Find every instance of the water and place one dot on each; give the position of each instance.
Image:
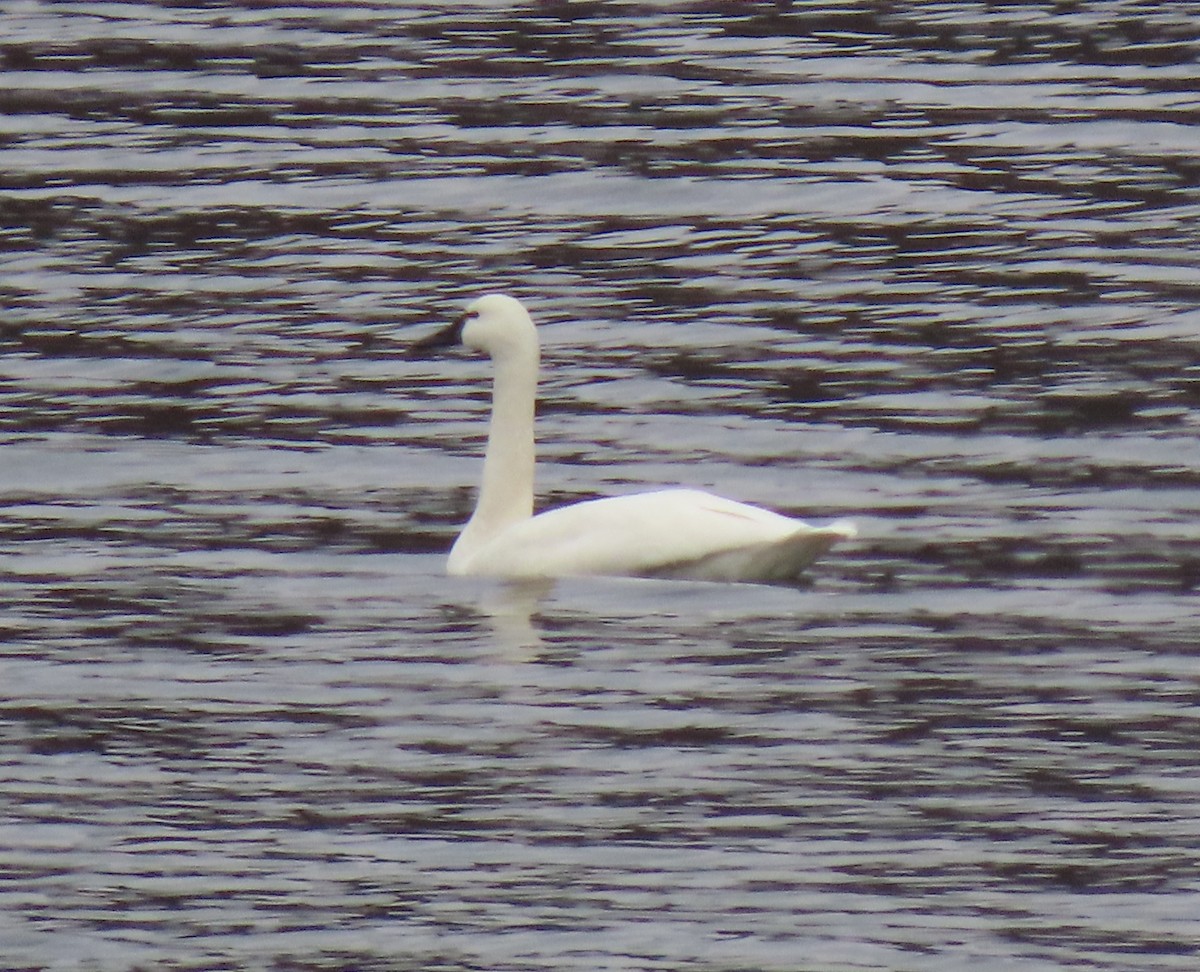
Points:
(929, 266)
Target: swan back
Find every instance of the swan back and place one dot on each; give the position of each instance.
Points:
(677, 533)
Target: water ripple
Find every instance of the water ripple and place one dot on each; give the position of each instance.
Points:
(925, 265)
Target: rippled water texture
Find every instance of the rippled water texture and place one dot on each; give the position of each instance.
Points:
(932, 266)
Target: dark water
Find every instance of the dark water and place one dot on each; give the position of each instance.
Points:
(930, 266)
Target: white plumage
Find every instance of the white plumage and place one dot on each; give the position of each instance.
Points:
(679, 533)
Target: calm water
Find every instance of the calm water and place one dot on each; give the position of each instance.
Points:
(930, 266)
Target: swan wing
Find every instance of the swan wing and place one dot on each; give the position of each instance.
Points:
(679, 533)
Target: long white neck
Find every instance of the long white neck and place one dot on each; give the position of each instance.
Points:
(506, 493)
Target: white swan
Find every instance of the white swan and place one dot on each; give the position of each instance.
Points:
(679, 533)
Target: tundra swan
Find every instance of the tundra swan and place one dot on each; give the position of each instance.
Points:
(677, 533)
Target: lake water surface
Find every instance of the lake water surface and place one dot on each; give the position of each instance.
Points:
(930, 266)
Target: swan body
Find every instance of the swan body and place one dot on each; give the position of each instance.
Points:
(677, 533)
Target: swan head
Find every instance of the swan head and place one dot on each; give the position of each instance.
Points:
(496, 325)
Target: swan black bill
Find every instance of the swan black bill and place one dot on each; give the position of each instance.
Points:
(447, 337)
